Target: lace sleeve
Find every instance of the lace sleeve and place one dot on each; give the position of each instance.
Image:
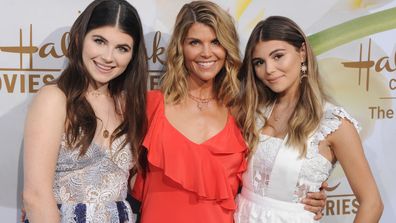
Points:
(330, 123)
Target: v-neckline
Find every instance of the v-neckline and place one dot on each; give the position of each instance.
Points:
(268, 116)
(204, 141)
(188, 139)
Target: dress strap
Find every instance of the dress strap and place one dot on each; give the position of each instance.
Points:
(285, 172)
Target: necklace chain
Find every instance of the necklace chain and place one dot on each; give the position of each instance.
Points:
(201, 102)
(281, 118)
(96, 93)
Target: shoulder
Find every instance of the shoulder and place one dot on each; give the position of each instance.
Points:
(47, 111)
(335, 116)
(154, 99)
(50, 96)
(342, 128)
(154, 95)
(335, 122)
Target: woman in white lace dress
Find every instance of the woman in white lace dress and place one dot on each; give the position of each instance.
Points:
(297, 136)
(83, 130)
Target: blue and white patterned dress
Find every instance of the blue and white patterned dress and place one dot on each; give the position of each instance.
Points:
(93, 188)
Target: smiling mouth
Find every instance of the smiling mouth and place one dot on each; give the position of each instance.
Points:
(273, 80)
(103, 68)
(206, 64)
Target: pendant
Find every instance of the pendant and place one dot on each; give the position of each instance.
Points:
(105, 133)
(199, 106)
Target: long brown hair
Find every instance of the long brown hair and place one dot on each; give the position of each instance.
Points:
(128, 89)
(255, 96)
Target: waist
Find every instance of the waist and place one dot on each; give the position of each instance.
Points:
(80, 211)
(268, 202)
(91, 204)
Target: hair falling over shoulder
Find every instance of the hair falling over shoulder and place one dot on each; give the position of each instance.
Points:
(128, 90)
(255, 96)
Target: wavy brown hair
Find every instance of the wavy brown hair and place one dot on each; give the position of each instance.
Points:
(255, 95)
(128, 90)
(226, 84)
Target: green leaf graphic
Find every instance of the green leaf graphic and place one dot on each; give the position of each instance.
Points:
(352, 30)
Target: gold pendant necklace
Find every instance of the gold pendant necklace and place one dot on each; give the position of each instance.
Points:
(96, 94)
(106, 132)
(201, 102)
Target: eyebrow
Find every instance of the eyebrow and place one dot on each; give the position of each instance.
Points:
(119, 45)
(191, 38)
(196, 38)
(270, 54)
(276, 50)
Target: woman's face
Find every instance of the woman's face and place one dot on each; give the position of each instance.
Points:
(106, 53)
(204, 56)
(277, 64)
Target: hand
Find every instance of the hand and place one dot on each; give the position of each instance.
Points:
(315, 202)
(23, 211)
(23, 215)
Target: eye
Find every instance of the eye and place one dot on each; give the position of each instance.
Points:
(123, 49)
(216, 42)
(194, 42)
(99, 41)
(277, 56)
(257, 62)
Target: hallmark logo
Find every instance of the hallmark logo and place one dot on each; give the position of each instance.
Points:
(368, 64)
(340, 204)
(28, 79)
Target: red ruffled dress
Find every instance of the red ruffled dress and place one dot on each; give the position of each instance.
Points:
(188, 182)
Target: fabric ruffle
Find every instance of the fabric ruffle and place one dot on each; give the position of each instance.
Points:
(197, 168)
(331, 121)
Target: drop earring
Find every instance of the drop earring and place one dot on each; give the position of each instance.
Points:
(304, 70)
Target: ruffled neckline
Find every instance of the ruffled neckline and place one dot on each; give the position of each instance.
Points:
(197, 168)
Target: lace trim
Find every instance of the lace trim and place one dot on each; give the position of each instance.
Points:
(330, 123)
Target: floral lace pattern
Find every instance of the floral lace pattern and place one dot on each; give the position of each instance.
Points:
(262, 163)
(94, 185)
(315, 168)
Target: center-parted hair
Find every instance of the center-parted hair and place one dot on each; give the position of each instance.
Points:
(255, 95)
(128, 90)
(226, 85)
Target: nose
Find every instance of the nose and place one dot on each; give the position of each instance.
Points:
(269, 68)
(107, 55)
(206, 50)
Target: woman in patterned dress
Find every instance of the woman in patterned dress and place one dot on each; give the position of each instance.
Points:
(83, 130)
(295, 134)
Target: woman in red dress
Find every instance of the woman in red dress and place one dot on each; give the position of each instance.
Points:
(194, 153)
(195, 150)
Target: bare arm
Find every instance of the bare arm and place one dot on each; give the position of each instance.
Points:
(347, 147)
(43, 130)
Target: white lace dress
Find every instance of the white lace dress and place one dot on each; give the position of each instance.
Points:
(93, 188)
(277, 179)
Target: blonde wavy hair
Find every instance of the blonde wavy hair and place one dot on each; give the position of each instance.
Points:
(254, 95)
(226, 84)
